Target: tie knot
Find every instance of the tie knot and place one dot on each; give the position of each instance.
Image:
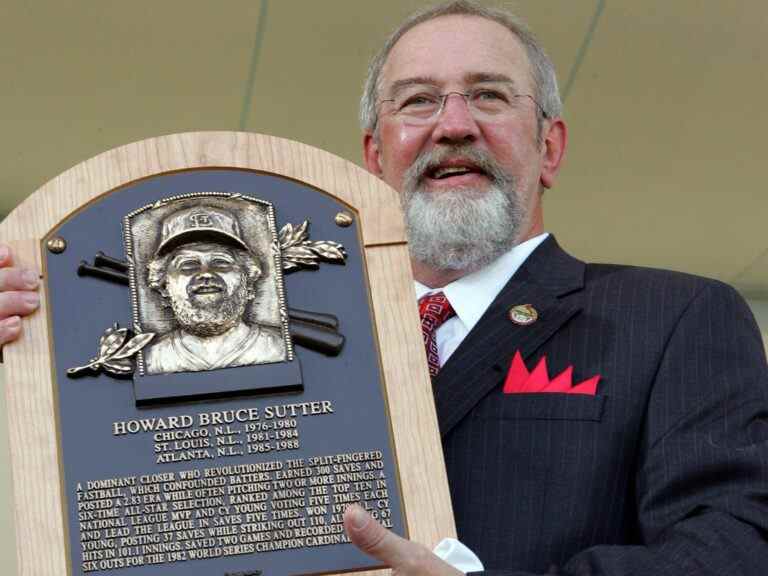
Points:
(434, 309)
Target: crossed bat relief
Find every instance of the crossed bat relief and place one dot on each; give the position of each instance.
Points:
(314, 331)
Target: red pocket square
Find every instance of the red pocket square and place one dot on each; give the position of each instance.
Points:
(520, 380)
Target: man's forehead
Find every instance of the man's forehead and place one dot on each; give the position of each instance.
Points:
(469, 79)
(203, 248)
(450, 49)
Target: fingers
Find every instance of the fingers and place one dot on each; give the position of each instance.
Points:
(17, 296)
(16, 287)
(17, 303)
(10, 328)
(15, 278)
(5, 256)
(370, 536)
(18, 279)
(12, 306)
(403, 556)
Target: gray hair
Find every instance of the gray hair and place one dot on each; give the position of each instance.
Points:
(542, 69)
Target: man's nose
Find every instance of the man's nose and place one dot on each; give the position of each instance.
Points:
(205, 273)
(455, 123)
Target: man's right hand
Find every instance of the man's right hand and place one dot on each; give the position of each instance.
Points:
(17, 295)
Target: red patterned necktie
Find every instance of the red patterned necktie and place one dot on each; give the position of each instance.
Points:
(434, 309)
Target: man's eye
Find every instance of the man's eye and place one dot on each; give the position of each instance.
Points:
(418, 102)
(489, 96)
(189, 265)
(221, 264)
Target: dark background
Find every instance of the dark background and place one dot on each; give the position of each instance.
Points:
(82, 308)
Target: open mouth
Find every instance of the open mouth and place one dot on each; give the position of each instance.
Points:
(454, 170)
(206, 289)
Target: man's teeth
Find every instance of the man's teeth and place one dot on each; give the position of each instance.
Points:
(446, 171)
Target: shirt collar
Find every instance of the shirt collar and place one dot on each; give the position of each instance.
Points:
(471, 295)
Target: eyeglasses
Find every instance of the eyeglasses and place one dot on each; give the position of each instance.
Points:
(419, 106)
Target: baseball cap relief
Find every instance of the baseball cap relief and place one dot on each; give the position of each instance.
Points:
(199, 222)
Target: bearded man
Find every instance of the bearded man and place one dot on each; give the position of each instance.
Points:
(656, 463)
(646, 452)
(206, 274)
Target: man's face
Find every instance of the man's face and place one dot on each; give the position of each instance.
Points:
(207, 288)
(460, 158)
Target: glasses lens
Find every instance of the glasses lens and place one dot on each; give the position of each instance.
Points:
(491, 101)
(417, 105)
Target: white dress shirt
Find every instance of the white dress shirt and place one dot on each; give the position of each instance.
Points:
(471, 295)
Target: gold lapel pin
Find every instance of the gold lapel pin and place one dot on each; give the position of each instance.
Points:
(523, 314)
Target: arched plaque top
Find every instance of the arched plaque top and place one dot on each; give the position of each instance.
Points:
(376, 203)
(385, 296)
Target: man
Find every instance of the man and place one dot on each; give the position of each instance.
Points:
(663, 469)
(207, 275)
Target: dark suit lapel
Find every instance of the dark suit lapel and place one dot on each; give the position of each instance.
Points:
(550, 280)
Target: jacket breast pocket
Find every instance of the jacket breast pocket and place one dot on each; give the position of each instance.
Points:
(551, 406)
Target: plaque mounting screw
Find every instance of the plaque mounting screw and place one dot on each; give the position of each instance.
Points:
(57, 244)
(343, 219)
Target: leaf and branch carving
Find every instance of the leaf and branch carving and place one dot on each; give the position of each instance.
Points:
(298, 251)
(116, 350)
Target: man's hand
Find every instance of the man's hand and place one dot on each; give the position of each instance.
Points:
(17, 296)
(406, 558)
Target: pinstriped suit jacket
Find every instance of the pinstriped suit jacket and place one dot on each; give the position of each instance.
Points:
(664, 471)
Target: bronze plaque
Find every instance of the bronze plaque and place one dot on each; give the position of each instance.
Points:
(201, 438)
(227, 355)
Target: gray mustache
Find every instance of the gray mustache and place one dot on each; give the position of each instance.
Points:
(210, 282)
(431, 159)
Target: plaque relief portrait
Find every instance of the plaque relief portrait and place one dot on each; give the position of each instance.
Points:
(206, 279)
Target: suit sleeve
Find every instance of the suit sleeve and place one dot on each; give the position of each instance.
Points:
(702, 469)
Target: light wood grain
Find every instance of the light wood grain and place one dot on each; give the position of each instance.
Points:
(409, 394)
(38, 501)
(380, 219)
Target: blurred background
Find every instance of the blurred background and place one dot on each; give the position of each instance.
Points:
(664, 101)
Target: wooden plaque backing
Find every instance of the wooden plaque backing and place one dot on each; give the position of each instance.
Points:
(38, 500)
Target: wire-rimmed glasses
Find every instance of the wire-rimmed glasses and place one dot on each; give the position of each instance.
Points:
(420, 105)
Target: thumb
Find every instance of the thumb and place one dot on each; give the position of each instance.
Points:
(406, 558)
(375, 540)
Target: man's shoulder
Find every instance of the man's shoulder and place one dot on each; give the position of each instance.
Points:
(629, 293)
(657, 287)
(596, 273)
(265, 343)
(164, 342)
(163, 355)
(268, 331)
(551, 261)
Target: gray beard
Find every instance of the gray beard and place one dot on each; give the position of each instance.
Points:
(460, 228)
(210, 320)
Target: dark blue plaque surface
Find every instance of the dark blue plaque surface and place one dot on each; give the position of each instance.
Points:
(341, 417)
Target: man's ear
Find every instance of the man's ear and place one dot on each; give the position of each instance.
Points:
(160, 287)
(253, 276)
(554, 142)
(164, 296)
(371, 154)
